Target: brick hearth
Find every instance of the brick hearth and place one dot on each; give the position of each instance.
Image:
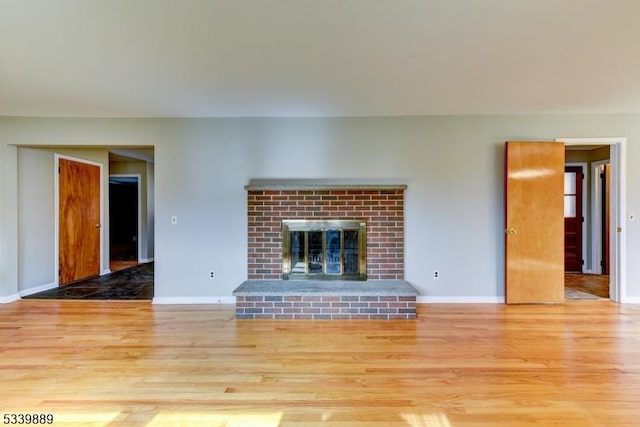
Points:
(313, 299)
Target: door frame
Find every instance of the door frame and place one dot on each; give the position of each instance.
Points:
(618, 197)
(56, 212)
(139, 186)
(596, 225)
(585, 212)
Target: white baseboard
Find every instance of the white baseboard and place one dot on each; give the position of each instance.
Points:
(194, 300)
(37, 289)
(631, 300)
(9, 298)
(459, 300)
(145, 260)
(105, 271)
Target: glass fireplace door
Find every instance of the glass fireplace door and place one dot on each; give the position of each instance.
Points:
(315, 252)
(333, 240)
(324, 249)
(298, 250)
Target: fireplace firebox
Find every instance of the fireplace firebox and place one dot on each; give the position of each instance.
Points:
(324, 249)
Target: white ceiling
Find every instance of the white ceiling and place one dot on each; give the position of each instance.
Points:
(221, 58)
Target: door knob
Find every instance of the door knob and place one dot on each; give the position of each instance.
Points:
(511, 230)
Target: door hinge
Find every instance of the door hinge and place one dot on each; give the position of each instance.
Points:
(59, 170)
(582, 219)
(582, 262)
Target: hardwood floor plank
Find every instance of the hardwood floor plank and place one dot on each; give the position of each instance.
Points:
(587, 285)
(133, 363)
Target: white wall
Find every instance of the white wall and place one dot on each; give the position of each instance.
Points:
(36, 210)
(8, 220)
(36, 260)
(453, 166)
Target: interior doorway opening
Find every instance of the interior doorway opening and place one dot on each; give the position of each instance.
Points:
(604, 203)
(125, 221)
(584, 279)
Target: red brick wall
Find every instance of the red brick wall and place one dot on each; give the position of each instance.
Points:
(383, 209)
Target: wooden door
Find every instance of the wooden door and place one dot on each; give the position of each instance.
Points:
(79, 220)
(534, 224)
(573, 219)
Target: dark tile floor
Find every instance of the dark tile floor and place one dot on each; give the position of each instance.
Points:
(135, 283)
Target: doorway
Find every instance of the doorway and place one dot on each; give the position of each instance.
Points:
(124, 221)
(583, 277)
(593, 282)
(605, 230)
(524, 265)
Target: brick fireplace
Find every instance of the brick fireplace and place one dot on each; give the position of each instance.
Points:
(374, 212)
(382, 207)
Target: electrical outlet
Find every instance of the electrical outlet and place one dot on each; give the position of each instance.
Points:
(212, 274)
(174, 220)
(436, 274)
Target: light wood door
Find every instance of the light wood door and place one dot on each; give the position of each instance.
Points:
(534, 229)
(79, 220)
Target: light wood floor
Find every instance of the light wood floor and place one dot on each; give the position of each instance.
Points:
(121, 265)
(132, 363)
(594, 285)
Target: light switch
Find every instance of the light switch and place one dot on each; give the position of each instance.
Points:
(174, 220)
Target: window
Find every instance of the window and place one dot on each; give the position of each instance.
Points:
(570, 195)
